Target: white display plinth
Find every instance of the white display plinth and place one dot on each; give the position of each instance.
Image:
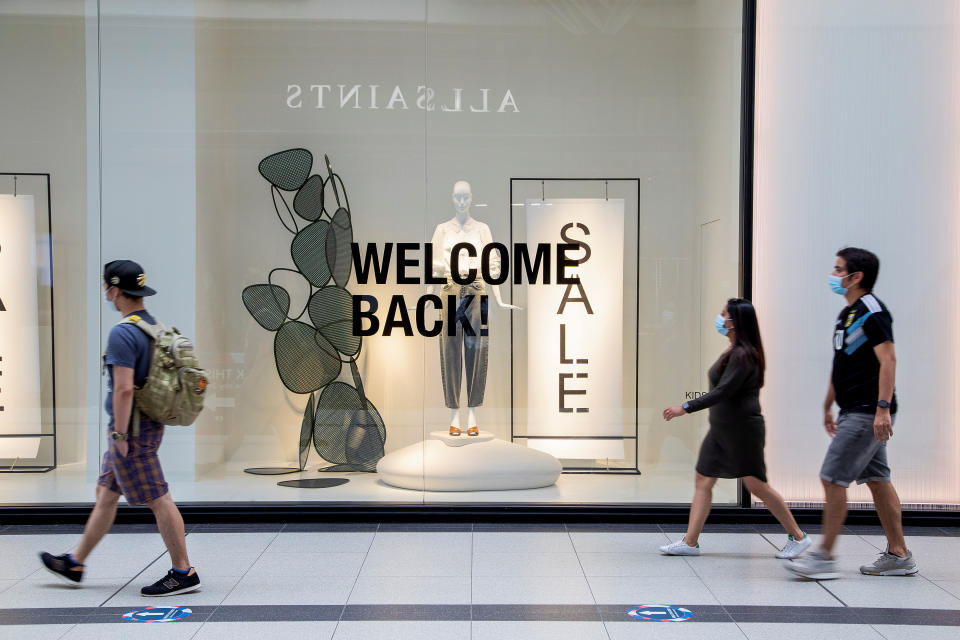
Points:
(461, 440)
(485, 465)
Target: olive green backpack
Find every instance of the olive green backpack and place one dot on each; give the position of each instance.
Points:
(175, 386)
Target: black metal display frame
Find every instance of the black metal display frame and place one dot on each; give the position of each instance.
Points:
(635, 469)
(748, 74)
(53, 361)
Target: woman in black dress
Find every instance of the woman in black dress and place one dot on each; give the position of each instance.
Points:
(733, 448)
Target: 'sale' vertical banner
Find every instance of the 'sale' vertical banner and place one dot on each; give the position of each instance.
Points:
(19, 333)
(575, 335)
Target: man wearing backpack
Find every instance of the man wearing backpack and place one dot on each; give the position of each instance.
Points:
(131, 466)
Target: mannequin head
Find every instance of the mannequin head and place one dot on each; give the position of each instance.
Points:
(462, 198)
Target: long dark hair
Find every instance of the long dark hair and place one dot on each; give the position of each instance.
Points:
(746, 341)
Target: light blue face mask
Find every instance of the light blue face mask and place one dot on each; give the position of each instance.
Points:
(718, 322)
(836, 284)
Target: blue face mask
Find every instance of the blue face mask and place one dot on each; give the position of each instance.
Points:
(718, 322)
(836, 285)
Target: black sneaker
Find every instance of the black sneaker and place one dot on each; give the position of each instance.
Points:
(172, 584)
(63, 567)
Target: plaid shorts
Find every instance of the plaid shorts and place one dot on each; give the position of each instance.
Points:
(137, 475)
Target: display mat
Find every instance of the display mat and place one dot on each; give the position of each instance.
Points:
(271, 471)
(314, 483)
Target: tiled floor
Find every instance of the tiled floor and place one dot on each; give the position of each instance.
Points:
(474, 581)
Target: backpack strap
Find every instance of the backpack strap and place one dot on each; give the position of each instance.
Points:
(154, 332)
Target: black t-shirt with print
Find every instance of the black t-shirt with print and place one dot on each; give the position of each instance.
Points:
(856, 371)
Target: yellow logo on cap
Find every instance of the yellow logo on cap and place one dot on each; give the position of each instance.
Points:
(141, 280)
(114, 280)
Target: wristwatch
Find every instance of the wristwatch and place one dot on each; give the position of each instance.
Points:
(883, 404)
(116, 435)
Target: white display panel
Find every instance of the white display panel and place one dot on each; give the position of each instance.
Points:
(19, 333)
(821, 185)
(575, 332)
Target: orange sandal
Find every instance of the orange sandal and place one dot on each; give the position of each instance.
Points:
(473, 431)
(454, 431)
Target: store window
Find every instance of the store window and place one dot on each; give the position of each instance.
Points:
(305, 183)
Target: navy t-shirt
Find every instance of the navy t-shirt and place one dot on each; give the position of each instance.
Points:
(856, 370)
(128, 346)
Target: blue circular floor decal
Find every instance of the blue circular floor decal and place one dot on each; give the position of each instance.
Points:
(659, 613)
(157, 614)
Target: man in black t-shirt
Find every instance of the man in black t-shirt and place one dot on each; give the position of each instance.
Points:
(862, 384)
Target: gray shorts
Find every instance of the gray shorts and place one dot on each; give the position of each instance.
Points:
(854, 454)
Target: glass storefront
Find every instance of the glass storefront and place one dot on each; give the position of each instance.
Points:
(295, 176)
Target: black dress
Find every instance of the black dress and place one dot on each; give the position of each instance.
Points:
(733, 448)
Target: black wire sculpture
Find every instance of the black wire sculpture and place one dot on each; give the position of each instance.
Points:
(344, 426)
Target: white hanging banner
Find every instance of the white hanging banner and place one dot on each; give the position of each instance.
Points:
(19, 333)
(575, 332)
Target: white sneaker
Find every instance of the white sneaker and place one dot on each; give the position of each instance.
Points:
(680, 548)
(794, 548)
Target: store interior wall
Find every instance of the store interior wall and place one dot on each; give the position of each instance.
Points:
(858, 144)
(656, 97)
(148, 172)
(42, 129)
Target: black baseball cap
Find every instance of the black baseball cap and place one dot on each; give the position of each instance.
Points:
(127, 276)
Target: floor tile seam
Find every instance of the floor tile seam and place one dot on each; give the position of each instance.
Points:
(596, 605)
(937, 585)
(740, 629)
(200, 628)
(150, 564)
(356, 580)
(835, 596)
(862, 539)
(689, 560)
(64, 634)
(242, 576)
(771, 542)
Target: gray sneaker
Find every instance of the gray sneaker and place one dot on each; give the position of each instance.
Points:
(890, 565)
(814, 566)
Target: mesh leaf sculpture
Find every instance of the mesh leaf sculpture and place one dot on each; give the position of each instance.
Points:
(311, 348)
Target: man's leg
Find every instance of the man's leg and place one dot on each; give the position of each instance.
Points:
(834, 514)
(887, 503)
(170, 523)
(99, 523)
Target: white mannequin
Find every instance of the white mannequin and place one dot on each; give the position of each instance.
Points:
(462, 199)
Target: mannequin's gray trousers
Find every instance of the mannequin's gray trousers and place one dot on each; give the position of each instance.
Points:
(467, 348)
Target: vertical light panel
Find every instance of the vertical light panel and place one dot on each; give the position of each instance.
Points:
(575, 335)
(857, 139)
(19, 333)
